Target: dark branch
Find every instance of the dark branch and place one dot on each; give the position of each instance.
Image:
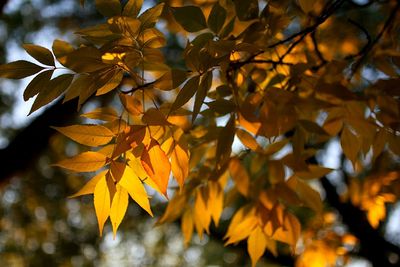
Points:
(26, 147)
(140, 87)
(369, 48)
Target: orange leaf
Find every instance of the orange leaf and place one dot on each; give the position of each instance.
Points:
(156, 164)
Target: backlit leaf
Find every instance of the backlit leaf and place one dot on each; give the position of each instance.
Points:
(157, 165)
(201, 94)
(256, 245)
(90, 135)
(239, 176)
(85, 162)
(187, 225)
(89, 187)
(180, 163)
(18, 69)
(131, 104)
(102, 203)
(131, 182)
(104, 114)
(351, 144)
(224, 142)
(119, 206)
(150, 16)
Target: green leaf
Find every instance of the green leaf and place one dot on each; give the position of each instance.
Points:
(37, 83)
(150, 16)
(201, 94)
(41, 54)
(18, 69)
(186, 93)
(217, 17)
(53, 89)
(191, 18)
(109, 8)
(132, 8)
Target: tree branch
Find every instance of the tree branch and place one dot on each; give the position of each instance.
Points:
(24, 150)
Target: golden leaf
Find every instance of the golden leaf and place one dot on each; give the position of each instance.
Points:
(118, 207)
(90, 135)
(102, 202)
(89, 187)
(85, 162)
(256, 245)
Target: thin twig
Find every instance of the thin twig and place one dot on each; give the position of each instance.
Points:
(139, 87)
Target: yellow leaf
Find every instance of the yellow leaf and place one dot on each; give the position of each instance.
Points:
(202, 216)
(240, 176)
(187, 226)
(308, 195)
(88, 188)
(104, 114)
(131, 182)
(154, 117)
(174, 209)
(131, 104)
(118, 207)
(256, 245)
(248, 140)
(90, 135)
(180, 164)
(290, 232)
(215, 202)
(156, 165)
(85, 162)
(102, 202)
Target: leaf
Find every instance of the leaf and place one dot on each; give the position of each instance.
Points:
(41, 54)
(215, 202)
(246, 10)
(313, 172)
(239, 176)
(89, 187)
(150, 16)
(54, 88)
(61, 49)
(109, 8)
(350, 143)
(104, 114)
(119, 206)
(156, 165)
(90, 135)
(131, 104)
(307, 5)
(290, 232)
(18, 69)
(256, 245)
(186, 93)
(37, 83)
(154, 117)
(308, 195)
(131, 182)
(101, 203)
(84, 59)
(180, 163)
(201, 94)
(248, 140)
(83, 82)
(191, 18)
(111, 84)
(201, 214)
(132, 8)
(217, 17)
(85, 162)
(224, 142)
(187, 226)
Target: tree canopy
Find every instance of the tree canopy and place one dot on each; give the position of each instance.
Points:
(230, 110)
